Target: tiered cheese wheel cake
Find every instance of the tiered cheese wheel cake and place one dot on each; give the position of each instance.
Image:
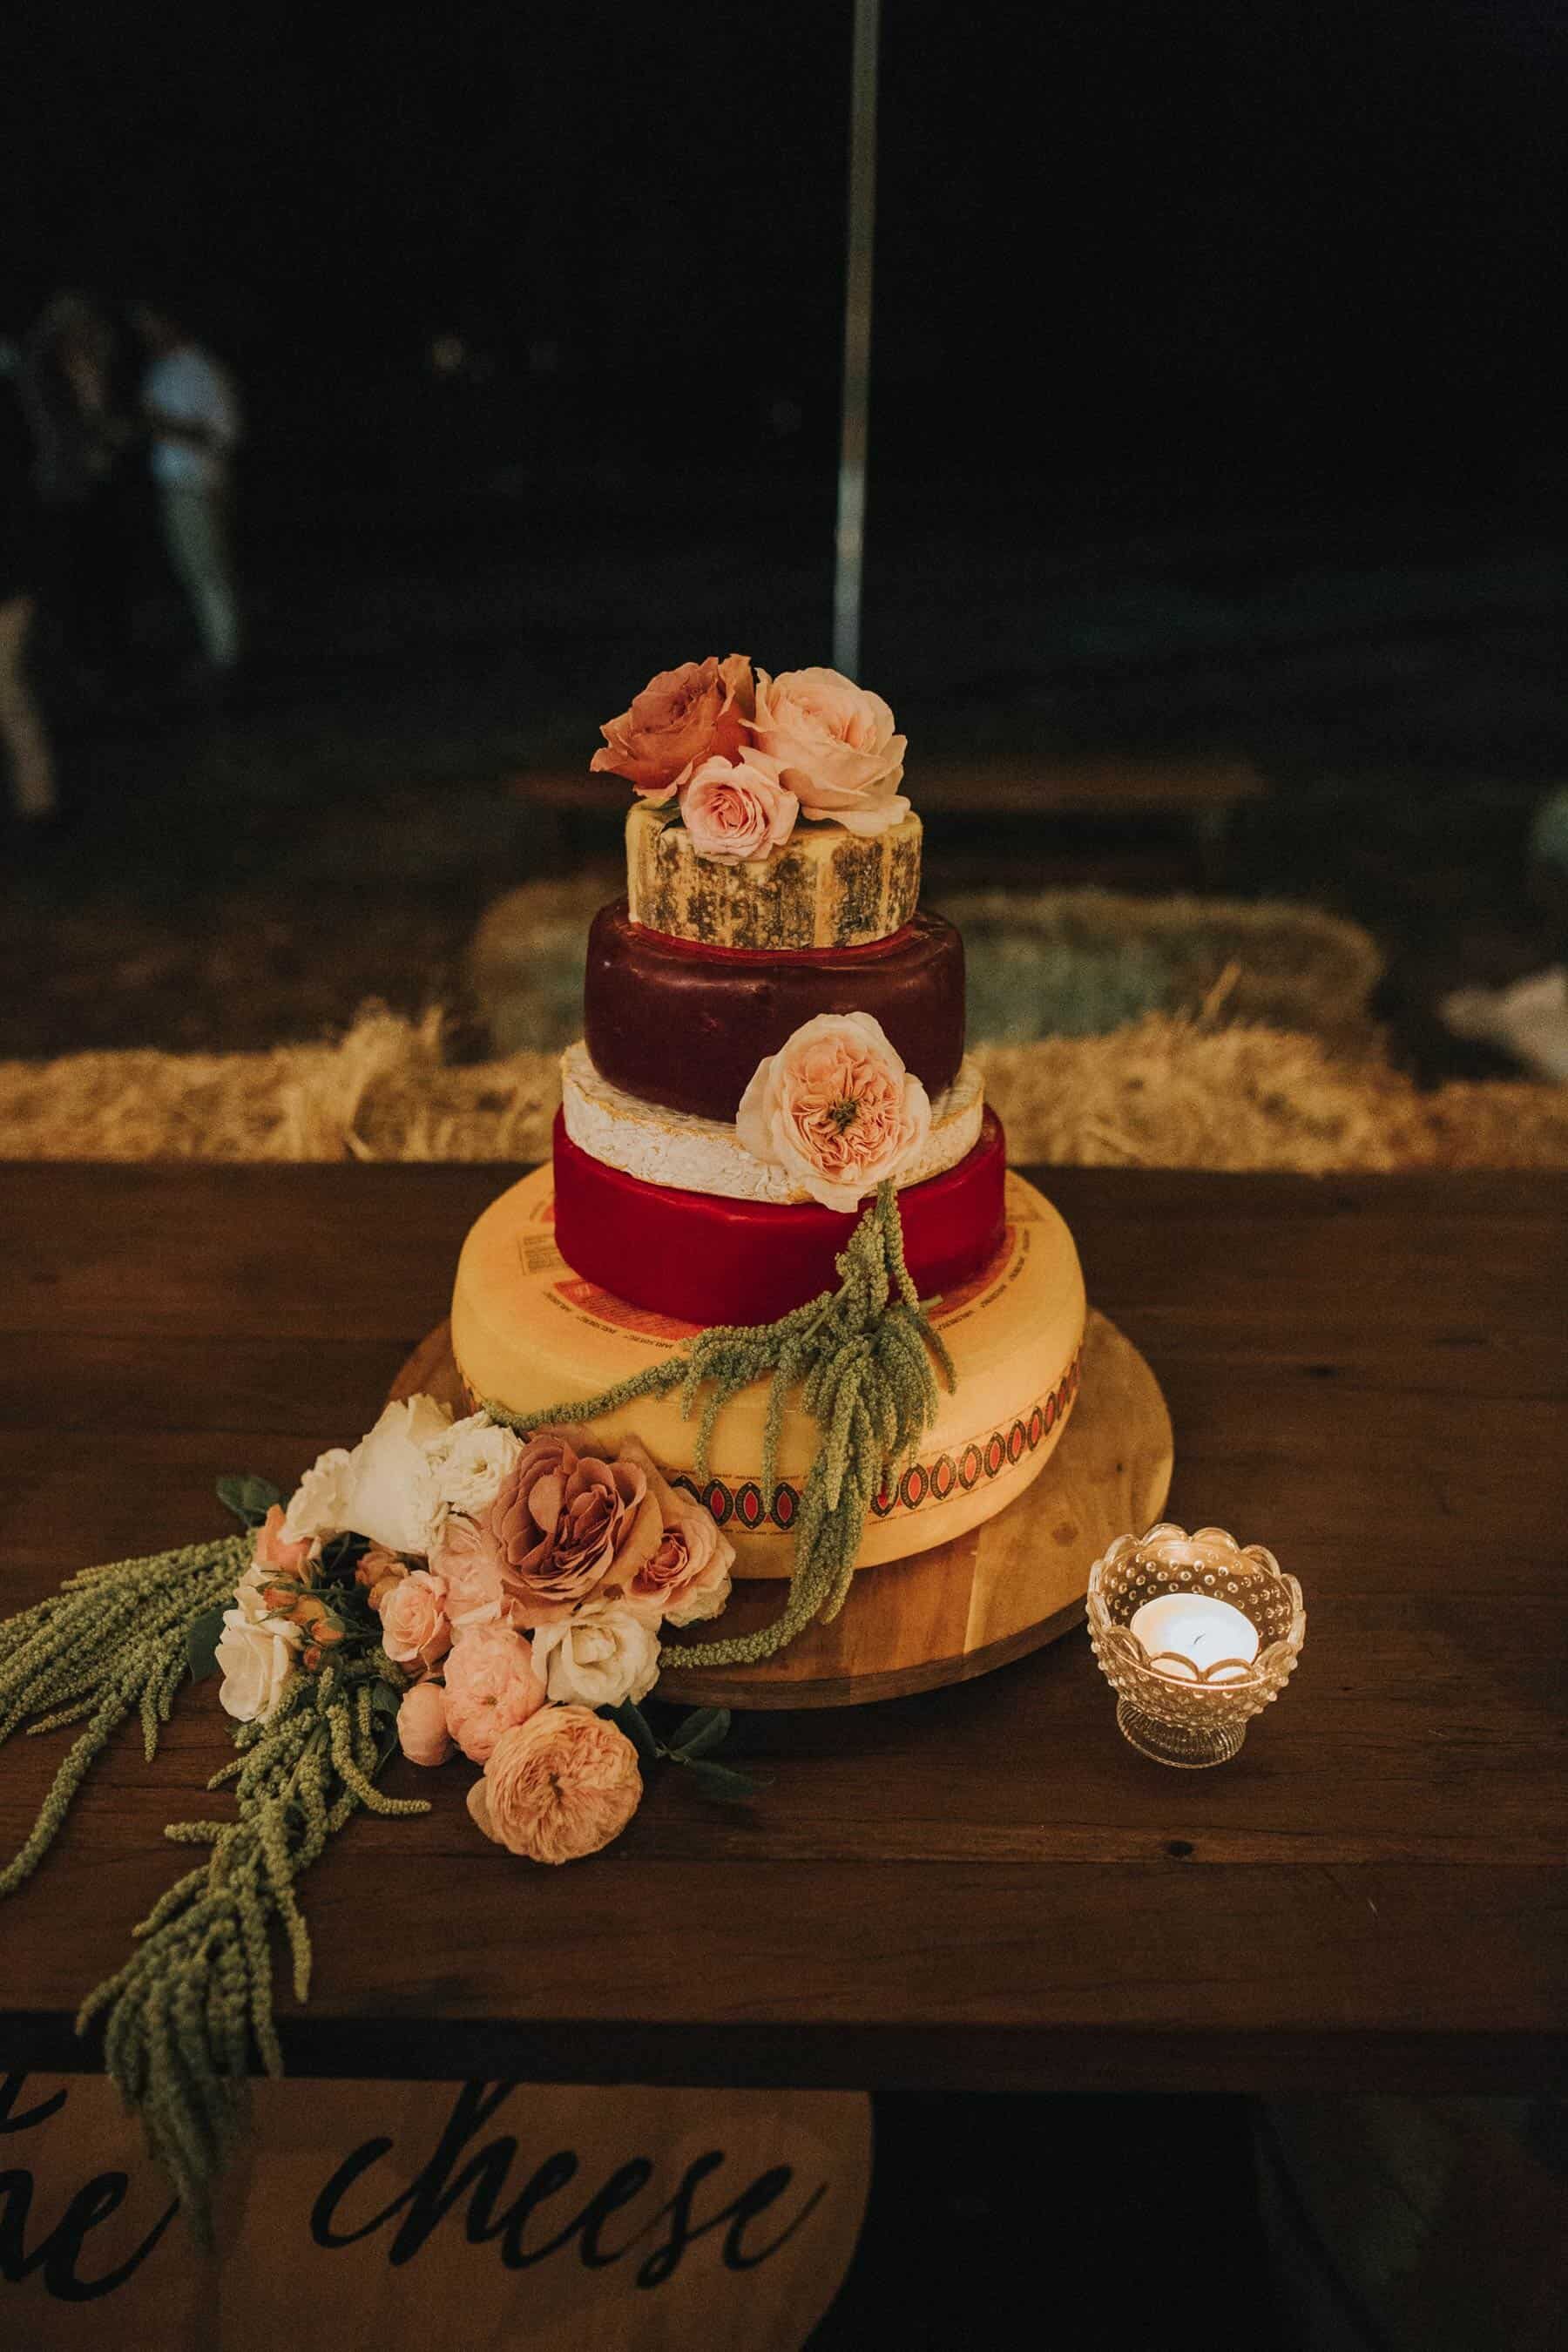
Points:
(707, 1173)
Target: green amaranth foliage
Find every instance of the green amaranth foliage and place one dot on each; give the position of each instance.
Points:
(188, 2008)
(863, 1357)
(112, 1642)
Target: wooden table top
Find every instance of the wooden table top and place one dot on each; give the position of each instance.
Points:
(981, 1887)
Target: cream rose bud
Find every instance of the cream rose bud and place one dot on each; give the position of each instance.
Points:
(258, 1663)
(738, 810)
(836, 1107)
(386, 1489)
(836, 745)
(600, 1661)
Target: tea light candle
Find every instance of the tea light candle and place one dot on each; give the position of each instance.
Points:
(1197, 1628)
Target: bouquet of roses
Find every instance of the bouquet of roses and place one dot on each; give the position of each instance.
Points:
(515, 1588)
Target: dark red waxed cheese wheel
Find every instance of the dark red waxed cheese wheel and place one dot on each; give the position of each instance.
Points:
(676, 1022)
(706, 1259)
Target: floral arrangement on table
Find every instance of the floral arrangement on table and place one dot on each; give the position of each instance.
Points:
(743, 755)
(482, 1586)
(515, 1589)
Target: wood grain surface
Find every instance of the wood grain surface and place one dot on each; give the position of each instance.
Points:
(983, 1886)
(965, 1607)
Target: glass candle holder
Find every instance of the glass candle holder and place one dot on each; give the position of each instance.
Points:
(1188, 1702)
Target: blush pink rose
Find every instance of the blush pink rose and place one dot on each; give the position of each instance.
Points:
(468, 1555)
(561, 1787)
(686, 1579)
(413, 1628)
(738, 810)
(571, 1529)
(836, 1108)
(492, 1688)
(681, 718)
(422, 1732)
(835, 746)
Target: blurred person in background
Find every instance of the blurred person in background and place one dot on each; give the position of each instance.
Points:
(192, 414)
(66, 383)
(26, 746)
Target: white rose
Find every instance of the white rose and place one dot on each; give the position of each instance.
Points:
(247, 1592)
(835, 746)
(597, 1661)
(258, 1663)
(472, 1460)
(387, 1488)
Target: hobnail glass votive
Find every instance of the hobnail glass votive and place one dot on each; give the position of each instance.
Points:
(1190, 1710)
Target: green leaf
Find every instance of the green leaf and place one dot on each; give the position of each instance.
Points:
(248, 1498)
(384, 1703)
(722, 1781)
(707, 1727)
(631, 1719)
(202, 1638)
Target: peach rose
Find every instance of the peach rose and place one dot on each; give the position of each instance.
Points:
(836, 745)
(836, 1108)
(687, 1578)
(413, 1628)
(274, 1551)
(571, 1529)
(681, 718)
(492, 1688)
(422, 1732)
(739, 810)
(468, 1556)
(559, 1787)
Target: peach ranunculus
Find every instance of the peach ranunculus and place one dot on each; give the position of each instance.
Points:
(422, 1732)
(686, 1578)
(468, 1555)
(836, 744)
(735, 811)
(274, 1550)
(836, 1108)
(571, 1529)
(681, 718)
(561, 1787)
(413, 1628)
(492, 1686)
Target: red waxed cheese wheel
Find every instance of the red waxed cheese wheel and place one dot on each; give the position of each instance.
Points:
(676, 1022)
(706, 1259)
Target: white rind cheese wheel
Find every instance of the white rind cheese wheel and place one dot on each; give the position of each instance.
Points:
(528, 1334)
(706, 1155)
(825, 887)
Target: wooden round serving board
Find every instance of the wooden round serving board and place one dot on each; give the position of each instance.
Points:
(945, 1615)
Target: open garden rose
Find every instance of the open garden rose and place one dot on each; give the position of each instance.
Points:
(422, 1732)
(598, 1661)
(471, 1460)
(686, 1578)
(835, 746)
(386, 1488)
(738, 809)
(836, 1107)
(492, 1688)
(559, 1787)
(571, 1529)
(413, 1627)
(681, 718)
(257, 1663)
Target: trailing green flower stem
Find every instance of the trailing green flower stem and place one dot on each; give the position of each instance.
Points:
(196, 2000)
(110, 1643)
(862, 1357)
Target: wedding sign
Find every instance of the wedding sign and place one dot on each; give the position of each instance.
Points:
(397, 2215)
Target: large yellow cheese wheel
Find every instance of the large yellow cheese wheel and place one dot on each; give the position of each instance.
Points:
(825, 888)
(528, 1334)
